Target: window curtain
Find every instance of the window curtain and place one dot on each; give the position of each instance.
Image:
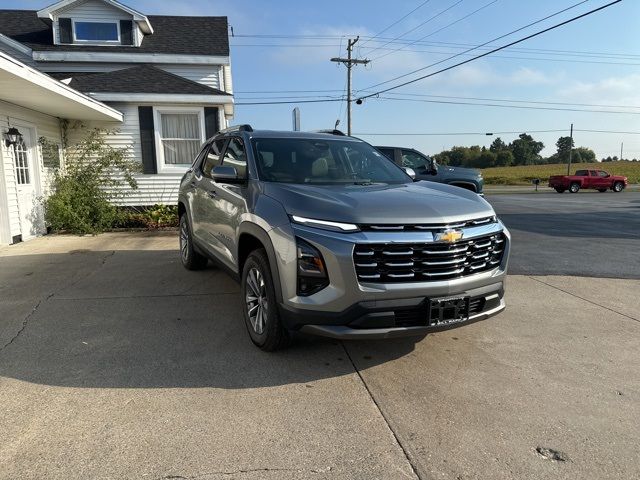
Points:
(181, 138)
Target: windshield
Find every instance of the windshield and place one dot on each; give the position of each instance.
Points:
(330, 161)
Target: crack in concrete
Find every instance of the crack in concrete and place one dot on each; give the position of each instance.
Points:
(585, 299)
(243, 471)
(410, 461)
(25, 321)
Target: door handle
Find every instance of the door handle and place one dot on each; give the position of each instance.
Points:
(213, 194)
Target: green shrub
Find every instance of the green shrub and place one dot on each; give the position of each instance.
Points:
(89, 179)
(158, 216)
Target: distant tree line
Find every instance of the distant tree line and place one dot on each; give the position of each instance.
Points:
(524, 150)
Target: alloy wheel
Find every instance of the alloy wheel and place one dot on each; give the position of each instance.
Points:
(184, 240)
(256, 300)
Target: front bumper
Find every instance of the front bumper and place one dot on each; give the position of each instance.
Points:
(349, 333)
(390, 318)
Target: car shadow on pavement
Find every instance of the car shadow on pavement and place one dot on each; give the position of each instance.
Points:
(137, 319)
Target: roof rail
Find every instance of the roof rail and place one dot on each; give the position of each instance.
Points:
(237, 128)
(332, 132)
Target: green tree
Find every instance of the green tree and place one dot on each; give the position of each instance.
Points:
(525, 150)
(485, 160)
(504, 158)
(498, 145)
(564, 146)
(586, 154)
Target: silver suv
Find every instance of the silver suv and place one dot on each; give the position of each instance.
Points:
(330, 237)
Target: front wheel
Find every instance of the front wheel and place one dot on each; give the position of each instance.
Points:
(260, 309)
(618, 187)
(559, 189)
(574, 187)
(191, 260)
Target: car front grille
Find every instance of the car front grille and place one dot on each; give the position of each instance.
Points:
(420, 262)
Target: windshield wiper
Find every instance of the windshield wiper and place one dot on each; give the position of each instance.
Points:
(363, 182)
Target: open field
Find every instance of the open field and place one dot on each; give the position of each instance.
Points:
(522, 175)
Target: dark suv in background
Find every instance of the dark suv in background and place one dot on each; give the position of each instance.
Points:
(427, 169)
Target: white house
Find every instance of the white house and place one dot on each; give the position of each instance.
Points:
(163, 81)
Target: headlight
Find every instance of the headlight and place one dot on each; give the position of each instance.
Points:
(312, 272)
(325, 224)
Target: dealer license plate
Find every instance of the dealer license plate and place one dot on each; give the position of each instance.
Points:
(446, 311)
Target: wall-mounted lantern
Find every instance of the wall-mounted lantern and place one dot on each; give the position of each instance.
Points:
(12, 136)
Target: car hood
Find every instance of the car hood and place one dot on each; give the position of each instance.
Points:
(419, 202)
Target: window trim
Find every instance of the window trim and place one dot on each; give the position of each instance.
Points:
(162, 167)
(95, 42)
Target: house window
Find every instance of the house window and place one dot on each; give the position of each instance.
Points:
(180, 137)
(21, 162)
(96, 31)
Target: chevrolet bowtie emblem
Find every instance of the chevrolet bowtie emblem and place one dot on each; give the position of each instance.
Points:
(449, 236)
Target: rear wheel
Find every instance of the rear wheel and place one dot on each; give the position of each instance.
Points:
(574, 187)
(602, 190)
(260, 306)
(559, 189)
(191, 260)
(618, 187)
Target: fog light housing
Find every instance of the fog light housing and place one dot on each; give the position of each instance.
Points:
(312, 272)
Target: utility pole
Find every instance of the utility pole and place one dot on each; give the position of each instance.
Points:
(349, 62)
(570, 151)
(621, 147)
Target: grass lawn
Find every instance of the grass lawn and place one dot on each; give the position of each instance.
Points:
(522, 175)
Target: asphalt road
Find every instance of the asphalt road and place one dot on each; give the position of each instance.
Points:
(586, 234)
(115, 363)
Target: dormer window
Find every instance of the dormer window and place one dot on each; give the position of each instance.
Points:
(96, 32)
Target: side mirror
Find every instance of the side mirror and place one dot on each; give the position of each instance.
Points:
(225, 174)
(411, 172)
(433, 168)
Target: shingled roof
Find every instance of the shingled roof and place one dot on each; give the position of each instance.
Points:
(172, 35)
(138, 79)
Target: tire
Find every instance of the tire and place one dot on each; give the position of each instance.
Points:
(618, 187)
(574, 187)
(602, 190)
(559, 189)
(260, 310)
(191, 260)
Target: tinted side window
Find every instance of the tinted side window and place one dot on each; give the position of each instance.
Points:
(389, 153)
(414, 160)
(582, 173)
(213, 159)
(235, 156)
(602, 174)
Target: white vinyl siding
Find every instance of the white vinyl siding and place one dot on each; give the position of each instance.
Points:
(208, 75)
(90, 11)
(46, 126)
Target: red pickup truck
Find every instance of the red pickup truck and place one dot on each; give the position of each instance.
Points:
(595, 179)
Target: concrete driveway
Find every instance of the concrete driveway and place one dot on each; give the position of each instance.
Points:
(117, 363)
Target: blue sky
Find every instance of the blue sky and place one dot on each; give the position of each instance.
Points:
(607, 72)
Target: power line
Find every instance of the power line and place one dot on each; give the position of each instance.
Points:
(524, 107)
(517, 101)
(481, 45)
(420, 25)
(439, 30)
(553, 27)
(490, 133)
(394, 23)
(408, 42)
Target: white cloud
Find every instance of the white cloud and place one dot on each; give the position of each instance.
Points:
(622, 90)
